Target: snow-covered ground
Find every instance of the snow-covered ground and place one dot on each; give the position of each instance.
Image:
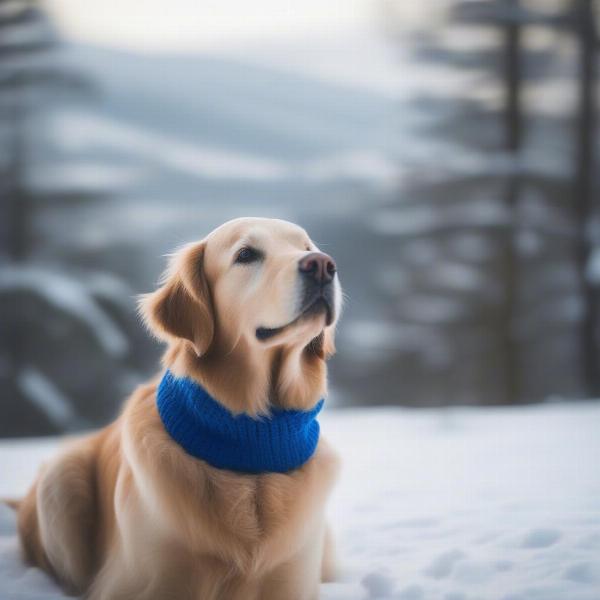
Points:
(441, 504)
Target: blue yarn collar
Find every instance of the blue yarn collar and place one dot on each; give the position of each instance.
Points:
(280, 442)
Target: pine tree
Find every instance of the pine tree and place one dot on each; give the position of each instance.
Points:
(35, 298)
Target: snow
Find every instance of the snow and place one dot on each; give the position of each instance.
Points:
(79, 130)
(433, 504)
(419, 219)
(593, 267)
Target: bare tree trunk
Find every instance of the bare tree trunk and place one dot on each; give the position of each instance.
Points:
(17, 201)
(584, 188)
(514, 127)
(18, 206)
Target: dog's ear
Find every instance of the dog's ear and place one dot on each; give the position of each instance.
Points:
(182, 307)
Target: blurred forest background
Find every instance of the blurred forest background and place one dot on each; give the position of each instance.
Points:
(446, 154)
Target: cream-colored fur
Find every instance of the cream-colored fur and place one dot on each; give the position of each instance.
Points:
(125, 513)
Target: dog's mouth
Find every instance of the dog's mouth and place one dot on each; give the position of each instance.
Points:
(318, 306)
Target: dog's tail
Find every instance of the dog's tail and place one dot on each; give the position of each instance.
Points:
(11, 502)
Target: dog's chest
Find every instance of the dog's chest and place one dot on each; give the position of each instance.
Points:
(242, 505)
(250, 522)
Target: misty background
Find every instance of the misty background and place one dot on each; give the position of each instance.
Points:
(445, 153)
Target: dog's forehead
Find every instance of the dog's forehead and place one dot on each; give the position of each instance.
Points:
(257, 231)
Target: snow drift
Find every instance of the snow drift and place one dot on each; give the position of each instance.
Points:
(450, 504)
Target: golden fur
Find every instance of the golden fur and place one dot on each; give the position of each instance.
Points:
(125, 513)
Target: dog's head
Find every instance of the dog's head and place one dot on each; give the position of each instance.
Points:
(256, 284)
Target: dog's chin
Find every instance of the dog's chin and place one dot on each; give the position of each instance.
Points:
(319, 313)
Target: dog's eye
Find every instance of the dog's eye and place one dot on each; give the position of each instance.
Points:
(248, 255)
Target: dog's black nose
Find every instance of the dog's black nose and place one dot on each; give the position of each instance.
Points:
(318, 266)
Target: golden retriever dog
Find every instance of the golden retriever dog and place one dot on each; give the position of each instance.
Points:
(248, 316)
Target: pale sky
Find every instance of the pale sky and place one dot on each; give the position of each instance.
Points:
(335, 40)
(188, 25)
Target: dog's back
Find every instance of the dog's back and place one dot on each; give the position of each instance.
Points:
(61, 520)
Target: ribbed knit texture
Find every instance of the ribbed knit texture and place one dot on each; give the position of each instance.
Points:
(280, 442)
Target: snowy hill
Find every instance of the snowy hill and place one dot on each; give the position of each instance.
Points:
(283, 124)
(457, 504)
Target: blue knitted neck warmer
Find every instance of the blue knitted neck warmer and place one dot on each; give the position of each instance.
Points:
(282, 441)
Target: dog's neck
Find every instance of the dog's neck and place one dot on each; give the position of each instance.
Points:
(289, 378)
(279, 442)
